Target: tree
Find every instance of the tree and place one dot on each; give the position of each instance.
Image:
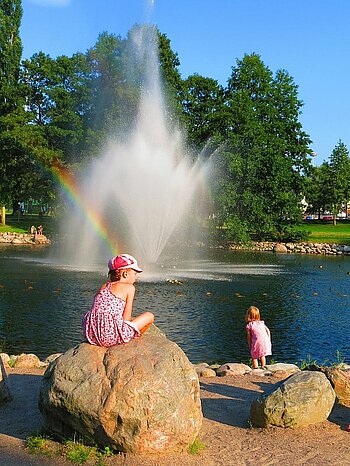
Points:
(314, 189)
(337, 184)
(260, 182)
(10, 55)
(204, 111)
(11, 101)
(58, 101)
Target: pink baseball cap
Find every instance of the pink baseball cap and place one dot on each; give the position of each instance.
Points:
(123, 261)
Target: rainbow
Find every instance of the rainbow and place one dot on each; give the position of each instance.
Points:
(73, 193)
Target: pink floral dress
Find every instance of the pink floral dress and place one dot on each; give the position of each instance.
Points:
(260, 340)
(103, 324)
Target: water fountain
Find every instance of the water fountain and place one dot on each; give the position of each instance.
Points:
(140, 187)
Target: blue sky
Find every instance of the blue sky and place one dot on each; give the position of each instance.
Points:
(308, 38)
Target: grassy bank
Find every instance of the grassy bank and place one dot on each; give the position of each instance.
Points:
(326, 232)
(23, 223)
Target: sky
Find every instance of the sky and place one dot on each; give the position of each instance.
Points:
(308, 38)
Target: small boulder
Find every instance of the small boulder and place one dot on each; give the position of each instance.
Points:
(27, 361)
(304, 398)
(280, 366)
(5, 359)
(51, 357)
(5, 394)
(233, 368)
(203, 370)
(142, 397)
(340, 380)
(280, 248)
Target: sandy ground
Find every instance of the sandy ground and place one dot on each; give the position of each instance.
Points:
(226, 433)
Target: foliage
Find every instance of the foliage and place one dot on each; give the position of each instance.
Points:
(74, 451)
(78, 452)
(314, 189)
(202, 101)
(196, 447)
(337, 184)
(260, 180)
(62, 110)
(328, 186)
(169, 68)
(40, 445)
(10, 55)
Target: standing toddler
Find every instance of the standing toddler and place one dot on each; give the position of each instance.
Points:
(259, 337)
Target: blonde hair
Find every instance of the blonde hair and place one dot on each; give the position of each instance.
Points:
(253, 313)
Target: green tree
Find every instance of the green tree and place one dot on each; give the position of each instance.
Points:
(22, 145)
(204, 109)
(337, 185)
(10, 55)
(58, 101)
(314, 189)
(11, 102)
(262, 168)
(169, 64)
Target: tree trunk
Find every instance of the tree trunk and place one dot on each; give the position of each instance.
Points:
(3, 215)
(334, 215)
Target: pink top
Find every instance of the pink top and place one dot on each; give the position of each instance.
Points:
(260, 340)
(103, 324)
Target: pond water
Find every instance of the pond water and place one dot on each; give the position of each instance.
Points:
(304, 300)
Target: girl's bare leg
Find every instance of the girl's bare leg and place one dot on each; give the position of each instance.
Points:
(263, 361)
(144, 321)
(255, 364)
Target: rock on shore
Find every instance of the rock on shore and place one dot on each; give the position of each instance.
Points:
(23, 238)
(297, 248)
(142, 397)
(304, 398)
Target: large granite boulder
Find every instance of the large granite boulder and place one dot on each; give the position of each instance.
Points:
(304, 398)
(140, 397)
(340, 380)
(339, 377)
(5, 394)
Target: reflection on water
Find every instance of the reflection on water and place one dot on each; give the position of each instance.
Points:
(305, 301)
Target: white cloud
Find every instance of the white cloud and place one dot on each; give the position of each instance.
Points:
(58, 3)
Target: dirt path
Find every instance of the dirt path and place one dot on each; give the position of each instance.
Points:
(226, 433)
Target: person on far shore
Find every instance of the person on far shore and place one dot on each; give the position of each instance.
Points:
(109, 322)
(259, 337)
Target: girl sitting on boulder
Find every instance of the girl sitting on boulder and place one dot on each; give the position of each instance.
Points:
(109, 321)
(259, 337)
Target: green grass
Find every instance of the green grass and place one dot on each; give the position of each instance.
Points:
(327, 232)
(196, 447)
(23, 224)
(74, 451)
(41, 445)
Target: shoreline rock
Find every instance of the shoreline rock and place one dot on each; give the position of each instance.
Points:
(23, 238)
(143, 397)
(331, 249)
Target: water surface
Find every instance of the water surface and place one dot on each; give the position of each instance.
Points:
(304, 300)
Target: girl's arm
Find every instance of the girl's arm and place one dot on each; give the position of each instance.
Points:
(249, 338)
(129, 300)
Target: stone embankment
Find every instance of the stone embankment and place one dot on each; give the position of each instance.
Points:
(23, 238)
(296, 248)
